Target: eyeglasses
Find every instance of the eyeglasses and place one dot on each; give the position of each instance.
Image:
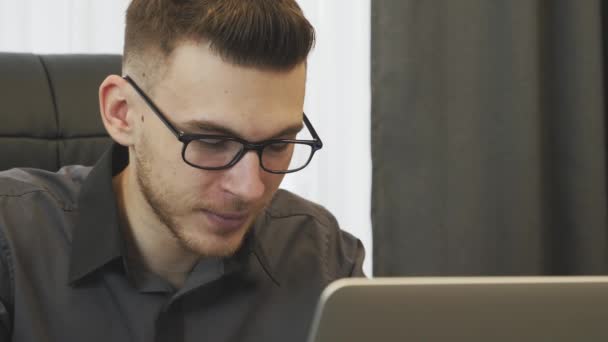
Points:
(220, 152)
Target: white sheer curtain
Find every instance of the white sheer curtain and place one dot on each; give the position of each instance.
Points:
(338, 88)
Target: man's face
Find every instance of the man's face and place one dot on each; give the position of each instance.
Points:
(209, 212)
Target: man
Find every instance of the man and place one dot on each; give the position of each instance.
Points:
(179, 232)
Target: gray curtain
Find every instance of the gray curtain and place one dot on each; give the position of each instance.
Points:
(489, 137)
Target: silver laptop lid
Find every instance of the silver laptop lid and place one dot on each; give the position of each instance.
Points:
(463, 309)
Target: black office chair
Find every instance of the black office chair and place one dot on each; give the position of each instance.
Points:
(49, 111)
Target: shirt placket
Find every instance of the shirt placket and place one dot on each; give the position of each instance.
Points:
(170, 323)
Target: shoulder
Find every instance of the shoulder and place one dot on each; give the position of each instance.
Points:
(34, 207)
(298, 232)
(61, 187)
(286, 204)
(33, 203)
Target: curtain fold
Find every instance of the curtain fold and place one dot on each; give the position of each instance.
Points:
(488, 137)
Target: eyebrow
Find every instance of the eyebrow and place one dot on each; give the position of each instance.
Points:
(213, 127)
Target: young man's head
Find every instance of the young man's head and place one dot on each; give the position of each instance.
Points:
(210, 67)
(270, 35)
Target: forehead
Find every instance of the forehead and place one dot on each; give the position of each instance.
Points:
(199, 86)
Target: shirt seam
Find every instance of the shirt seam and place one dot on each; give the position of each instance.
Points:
(353, 265)
(64, 208)
(325, 256)
(61, 203)
(314, 217)
(6, 254)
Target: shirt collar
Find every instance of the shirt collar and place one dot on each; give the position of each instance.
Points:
(97, 239)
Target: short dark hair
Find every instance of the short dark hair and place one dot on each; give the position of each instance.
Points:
(265, 34)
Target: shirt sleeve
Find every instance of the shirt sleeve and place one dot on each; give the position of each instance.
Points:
(5, 295)
(346, 254)
(359, 256)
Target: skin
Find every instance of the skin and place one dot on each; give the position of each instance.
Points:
(175, 214)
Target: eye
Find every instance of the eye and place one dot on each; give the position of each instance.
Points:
(278, 147)
(215, 145)
(213, 141)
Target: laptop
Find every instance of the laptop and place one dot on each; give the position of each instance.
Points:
(471, 309)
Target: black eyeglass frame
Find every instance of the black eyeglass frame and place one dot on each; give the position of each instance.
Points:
(186, 138)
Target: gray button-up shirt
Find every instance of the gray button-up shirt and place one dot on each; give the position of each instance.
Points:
(65, 275)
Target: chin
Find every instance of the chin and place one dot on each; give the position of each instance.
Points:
(214, 245)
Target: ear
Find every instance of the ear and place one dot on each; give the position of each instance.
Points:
(115, 110)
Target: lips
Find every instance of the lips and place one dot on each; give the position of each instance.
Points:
(225, 223)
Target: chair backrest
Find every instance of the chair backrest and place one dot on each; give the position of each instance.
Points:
(49, 111)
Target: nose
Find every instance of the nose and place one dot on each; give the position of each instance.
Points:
(244, 180)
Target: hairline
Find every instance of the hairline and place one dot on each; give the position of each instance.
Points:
(149, 74)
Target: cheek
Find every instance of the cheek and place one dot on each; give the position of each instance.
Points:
(192, 183)
(271, 183)
(160, 143)
(196, 184)
(165, 155)
(167, 171)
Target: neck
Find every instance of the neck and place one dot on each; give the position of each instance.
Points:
(151, 245)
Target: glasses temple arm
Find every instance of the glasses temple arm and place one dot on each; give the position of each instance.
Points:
(152, 106)
(314, 134)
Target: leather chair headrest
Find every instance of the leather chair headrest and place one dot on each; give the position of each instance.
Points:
(49, 109)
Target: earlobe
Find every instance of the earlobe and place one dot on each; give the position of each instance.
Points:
(114, 109)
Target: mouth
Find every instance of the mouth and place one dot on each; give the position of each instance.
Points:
(225, 223)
